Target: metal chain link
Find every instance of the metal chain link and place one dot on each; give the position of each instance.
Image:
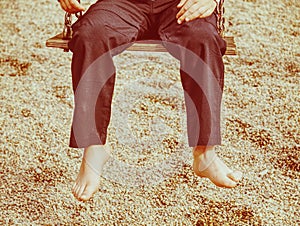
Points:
(220, 18)
(67, 31)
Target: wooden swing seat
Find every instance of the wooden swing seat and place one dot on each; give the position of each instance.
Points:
(142, 45)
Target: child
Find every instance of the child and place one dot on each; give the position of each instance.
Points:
(187, 28)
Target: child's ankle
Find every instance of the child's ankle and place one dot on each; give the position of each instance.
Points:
(200, 150)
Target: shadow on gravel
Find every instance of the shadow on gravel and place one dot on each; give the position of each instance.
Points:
(14, 67)
(287, 161)
(213, 213)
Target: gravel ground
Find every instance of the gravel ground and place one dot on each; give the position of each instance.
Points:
(149, 180)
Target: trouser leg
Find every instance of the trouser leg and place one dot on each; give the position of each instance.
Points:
(104, 31)
(199, 48)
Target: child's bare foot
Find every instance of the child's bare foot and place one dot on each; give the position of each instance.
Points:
(208, 164)
(88, 178)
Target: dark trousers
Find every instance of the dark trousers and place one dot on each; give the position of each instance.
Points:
(108, 28)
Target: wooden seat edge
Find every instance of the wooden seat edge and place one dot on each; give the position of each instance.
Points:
(144, 45)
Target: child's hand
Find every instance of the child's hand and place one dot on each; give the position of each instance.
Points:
(71, 6)
(192, 9)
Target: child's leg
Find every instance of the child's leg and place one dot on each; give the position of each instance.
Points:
(87, 181)
(207, 164)
(97, 37)
(199, 48)
(104, 31)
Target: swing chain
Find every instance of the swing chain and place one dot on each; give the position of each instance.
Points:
(220, 17)
(67, 31)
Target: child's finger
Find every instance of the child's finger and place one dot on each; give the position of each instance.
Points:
(199, 13)
(184, 8)
(76, 5)
(207, 13)
(181, 3)
(71, 6)
(63, 5)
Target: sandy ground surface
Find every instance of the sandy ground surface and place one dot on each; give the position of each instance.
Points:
(149, 180)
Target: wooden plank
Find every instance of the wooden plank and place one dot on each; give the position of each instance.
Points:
(144, 45)
(57, 42)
